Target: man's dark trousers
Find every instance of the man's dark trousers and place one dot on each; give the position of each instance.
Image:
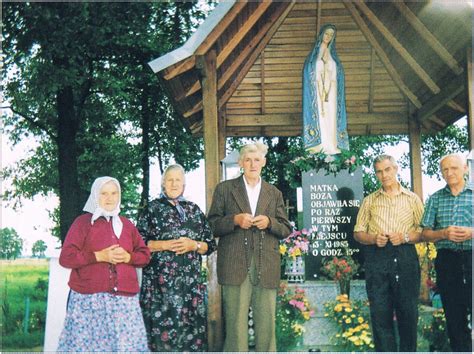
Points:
(454, 281)
(393, 288)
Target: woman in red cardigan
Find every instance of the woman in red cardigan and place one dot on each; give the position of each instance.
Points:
(103, 251)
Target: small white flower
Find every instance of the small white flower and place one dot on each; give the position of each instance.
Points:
(329, 159)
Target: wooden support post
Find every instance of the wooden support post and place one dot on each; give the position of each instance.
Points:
(415, 156)
(416, 179)
(207, 66)
(470, 113)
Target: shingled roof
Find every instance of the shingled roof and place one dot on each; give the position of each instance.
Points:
(403, 61)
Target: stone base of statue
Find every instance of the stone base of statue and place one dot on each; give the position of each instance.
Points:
(294, 269)
(320, 329)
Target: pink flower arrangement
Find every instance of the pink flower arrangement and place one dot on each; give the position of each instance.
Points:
(298, 304)
(296, 244)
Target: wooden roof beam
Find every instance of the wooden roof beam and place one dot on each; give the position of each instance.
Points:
(264, 131)
(196, 127)
(246, 53)
(249, 23)
(293, 119)
(456, 106)
(437, 121)
(190, 62)
(449, 91)
(196, 86)
(427, 125)
(382, 55)
(422, 74)
(178, 69)
(197, 107)
(428, 37)
(266, 33)
(221, 28)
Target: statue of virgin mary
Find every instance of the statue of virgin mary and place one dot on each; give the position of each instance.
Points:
(324, 101)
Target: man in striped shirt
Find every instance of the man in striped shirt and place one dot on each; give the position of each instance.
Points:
(389, 224)
(448, 222)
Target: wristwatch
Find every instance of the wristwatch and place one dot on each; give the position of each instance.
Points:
(198, 246)
(406, 237)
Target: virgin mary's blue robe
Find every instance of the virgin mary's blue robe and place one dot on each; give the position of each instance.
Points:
(311, 127)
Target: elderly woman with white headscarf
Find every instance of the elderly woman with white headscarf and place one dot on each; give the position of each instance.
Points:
(173, 293)
(103, 250)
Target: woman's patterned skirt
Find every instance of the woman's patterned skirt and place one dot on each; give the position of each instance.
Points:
(103, 322)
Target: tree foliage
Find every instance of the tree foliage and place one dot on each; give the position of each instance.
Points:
(11, 244)
(452, 139)
(78, 81)
(38, 249)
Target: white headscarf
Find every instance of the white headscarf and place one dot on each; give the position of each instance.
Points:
(92, 205)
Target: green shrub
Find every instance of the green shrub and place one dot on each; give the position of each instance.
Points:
(41, 290)
(23, 340)
(19, 281)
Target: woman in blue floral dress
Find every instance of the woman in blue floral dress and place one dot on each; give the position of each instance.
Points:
(173, 294)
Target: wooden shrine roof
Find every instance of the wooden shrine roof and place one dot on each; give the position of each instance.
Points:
(402, 60)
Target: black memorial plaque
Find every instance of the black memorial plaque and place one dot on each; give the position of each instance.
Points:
(330, 205)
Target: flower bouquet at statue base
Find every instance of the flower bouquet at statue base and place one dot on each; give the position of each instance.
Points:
(341, 270)
(293, 249)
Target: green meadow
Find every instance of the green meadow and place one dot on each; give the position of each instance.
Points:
(23, 281)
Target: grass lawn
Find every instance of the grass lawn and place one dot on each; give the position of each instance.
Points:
(21, 281)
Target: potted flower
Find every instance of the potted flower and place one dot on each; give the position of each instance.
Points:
(293, 310)
(341, 270)
(293, 248)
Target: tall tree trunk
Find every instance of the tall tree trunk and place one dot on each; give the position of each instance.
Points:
(69, 190)
(145, 125)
